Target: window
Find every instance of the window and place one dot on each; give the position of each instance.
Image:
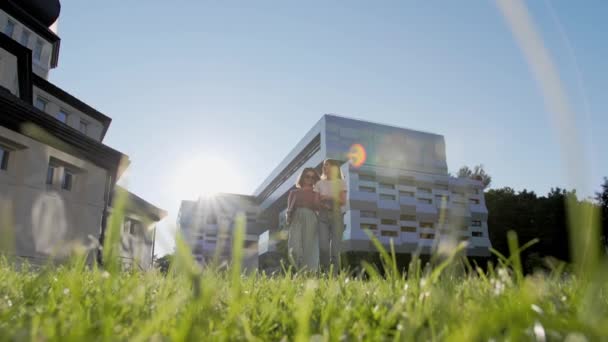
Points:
(62, 116)
(458, 193)
(427, 236)
(406, 181)
(387, 197)
(50, 174)
(408, 229)
(211, 219)
(369, 226)
(473, 200)
(9, 29)
(364, 177)
(441, 186)
(131, 226)
(427, 225)
(367, 213)
(4, 153)
(25, 37)
(367, 189)
(389, 233)
(406, 194)
(388, 221)
(387, 186)
(67, 180)
(407, 217)
(477, 234)
(476, 223)
(425, 200)
(464, 238)
(38, 50)
(476, 191)
(425, 190)
(441, 197)
(41, 103)
(84, 126)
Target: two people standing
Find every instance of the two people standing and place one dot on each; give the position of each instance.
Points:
(314, 218)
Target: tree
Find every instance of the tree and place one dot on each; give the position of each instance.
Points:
(464, 172)
(478, 173)
(531, 217)
(602, 199)
(164, 263)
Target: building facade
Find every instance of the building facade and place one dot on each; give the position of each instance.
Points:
(137, 226)
(207, 226)
(56, 175)
(401, 192)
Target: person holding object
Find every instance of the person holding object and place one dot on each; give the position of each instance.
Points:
(332, 192)
(302, 222)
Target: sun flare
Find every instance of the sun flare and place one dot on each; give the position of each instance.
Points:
(203, 177)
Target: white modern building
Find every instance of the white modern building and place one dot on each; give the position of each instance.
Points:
(207, 225)
(401, 192)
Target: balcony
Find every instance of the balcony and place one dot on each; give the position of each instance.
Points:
(407, 202)
(426, 208)
(479, 210)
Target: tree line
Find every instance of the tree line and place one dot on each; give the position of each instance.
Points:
(533, 216)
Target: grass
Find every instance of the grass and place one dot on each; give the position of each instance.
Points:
(73, 302)
(450, 301)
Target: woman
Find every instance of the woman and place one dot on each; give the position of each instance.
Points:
(332, 191)
(302, 204)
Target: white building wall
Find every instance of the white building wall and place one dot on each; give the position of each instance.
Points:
(395, 218)
(38, 220)
(94, 128)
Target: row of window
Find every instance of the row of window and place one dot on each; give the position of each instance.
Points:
(9, 30)
(405, 217)
(41, 103)
(431, 236)
(411, 182)
(410, 228)
(370, 189)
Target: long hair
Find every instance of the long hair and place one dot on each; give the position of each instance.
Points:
(334, 163)
(305, 171)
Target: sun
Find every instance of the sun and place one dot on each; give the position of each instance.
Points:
(204, 176)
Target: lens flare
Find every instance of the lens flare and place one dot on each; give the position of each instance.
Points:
(357, 155)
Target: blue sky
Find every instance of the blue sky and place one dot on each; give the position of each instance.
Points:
(243, 81)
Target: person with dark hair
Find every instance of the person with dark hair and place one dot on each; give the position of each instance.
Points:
(332, 193)
(302, 222)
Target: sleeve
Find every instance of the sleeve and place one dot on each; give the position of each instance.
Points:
(291, 202)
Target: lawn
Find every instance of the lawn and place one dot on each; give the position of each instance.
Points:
(452, 301)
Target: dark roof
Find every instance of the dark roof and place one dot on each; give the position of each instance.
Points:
(72, 101)
(24, 118)
(138, 205)
(22, 12)
(45, 11)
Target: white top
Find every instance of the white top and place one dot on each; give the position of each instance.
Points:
(327, 187)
